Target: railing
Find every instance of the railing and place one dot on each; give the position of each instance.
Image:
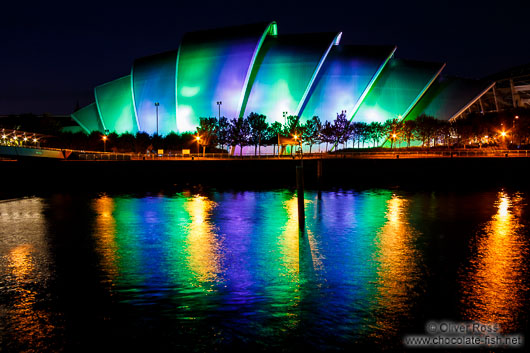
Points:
(385, 154)
(104, 156)
(395, 154)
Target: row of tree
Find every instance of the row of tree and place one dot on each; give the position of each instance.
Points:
(504, 128)
(214, 134)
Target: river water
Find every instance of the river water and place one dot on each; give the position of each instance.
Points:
(210, 270)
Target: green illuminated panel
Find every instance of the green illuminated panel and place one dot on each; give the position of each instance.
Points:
(115, 105)
(396, 91)
(284, 71)
(448, 96)
(88, 118)
(214, 66)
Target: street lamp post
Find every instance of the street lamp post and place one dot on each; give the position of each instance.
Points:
(156, 107)
(104, 143)
(516, 118)
(198, 138)
(219, 103)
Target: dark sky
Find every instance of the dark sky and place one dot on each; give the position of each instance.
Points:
(53, 54)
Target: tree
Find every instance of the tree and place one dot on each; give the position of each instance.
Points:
(293, 125)
(172, 141)
(391, 128)
(125, 142)
(142, 141)
(362, 132)
(207, 131)
(258, 127)
(157, 141)
(426, 127)
(375, 132)
(341, 129)
(273, 131)
(311, 132)
(443, 132)
(327, 133)
(223, 132)
(239, 133)
(409, 128)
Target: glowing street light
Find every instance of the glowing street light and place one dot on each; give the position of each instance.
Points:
(503, 133)
(198, 138)
(104, 143)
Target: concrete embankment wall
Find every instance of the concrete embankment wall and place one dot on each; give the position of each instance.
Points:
(152, 174)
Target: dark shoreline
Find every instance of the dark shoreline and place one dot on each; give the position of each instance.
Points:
(429, 173)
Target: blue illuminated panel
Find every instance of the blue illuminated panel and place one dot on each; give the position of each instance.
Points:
(154, 81)
(346, 75)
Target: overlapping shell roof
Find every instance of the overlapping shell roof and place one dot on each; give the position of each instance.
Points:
(254, 69)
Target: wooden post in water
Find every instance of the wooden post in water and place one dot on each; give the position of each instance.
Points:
(319, 171)
(300, 195)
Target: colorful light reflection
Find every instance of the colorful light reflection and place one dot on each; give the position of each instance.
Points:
(493, 285)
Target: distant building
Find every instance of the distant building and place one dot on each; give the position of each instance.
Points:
(238, 70)
(511, 91)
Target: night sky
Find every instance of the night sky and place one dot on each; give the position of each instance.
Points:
(53, 55)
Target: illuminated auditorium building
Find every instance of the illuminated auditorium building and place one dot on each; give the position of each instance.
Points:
(253, 68)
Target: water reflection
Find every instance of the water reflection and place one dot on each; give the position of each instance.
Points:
(25, 271)
(398, 270)
(494, 285)
(208, 271)
(202, 244)
(105, 235)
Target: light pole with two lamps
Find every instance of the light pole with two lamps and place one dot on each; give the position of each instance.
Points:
(219, 103)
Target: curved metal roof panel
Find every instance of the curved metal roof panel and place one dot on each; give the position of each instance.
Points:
(153, 81)
(214, 66)
(448, 96)
(115, 105)
(349, 72)
(396, 91)
(284, 71)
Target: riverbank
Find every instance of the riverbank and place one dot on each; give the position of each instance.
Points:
(255, 174)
